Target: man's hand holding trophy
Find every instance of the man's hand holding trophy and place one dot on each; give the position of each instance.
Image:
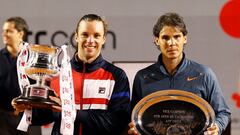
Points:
(42, 63)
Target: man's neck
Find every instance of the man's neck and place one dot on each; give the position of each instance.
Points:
(14, 49)
(87, 60)
(171, 65)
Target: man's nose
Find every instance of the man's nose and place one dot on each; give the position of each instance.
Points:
(4, 33)
(90, 39)
(171, 42)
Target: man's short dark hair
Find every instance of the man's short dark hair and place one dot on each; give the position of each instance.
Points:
(20, 25)
(169, 19)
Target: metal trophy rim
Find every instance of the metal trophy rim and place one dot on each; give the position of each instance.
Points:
(171, 94)
(42, 48)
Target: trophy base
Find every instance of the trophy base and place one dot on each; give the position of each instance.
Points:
(37, 97)
(36, 102)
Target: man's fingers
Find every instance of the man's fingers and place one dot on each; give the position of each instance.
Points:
(56, 99)
(213, 130)
(132, 130)
(56, 108)
(131, 124)
(20, 107)
(210, 133)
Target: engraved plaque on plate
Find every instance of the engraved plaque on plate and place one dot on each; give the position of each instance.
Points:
(172, 112)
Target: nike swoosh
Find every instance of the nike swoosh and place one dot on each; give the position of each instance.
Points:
(191, 78)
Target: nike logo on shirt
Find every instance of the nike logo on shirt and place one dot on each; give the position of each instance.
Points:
(190, 78)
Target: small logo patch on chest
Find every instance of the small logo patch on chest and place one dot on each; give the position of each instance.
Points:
(101, 90)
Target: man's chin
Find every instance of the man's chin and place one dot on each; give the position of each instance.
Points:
(89, 56)
(7, 43)
(173, 56)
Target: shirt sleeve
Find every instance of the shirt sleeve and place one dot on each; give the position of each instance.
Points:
(217, 101)
(136, 90)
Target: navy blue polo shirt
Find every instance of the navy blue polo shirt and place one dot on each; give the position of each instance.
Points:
(9, 87)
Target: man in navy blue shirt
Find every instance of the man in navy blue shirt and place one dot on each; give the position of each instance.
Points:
(14, 32)
(174, 71)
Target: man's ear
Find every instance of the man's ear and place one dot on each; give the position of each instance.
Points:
(104, 40)
(156, 41)
(21, 34)
(185, 40)
(76, 36)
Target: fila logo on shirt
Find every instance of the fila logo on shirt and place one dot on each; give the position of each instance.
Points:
(101, 90)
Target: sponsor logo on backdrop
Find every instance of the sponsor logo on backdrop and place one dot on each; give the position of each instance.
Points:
(65, 37)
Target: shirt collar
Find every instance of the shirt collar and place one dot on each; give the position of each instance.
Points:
(5, 51)
(180, 66)
(78, 64)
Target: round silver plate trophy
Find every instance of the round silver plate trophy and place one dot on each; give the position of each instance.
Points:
(41, 66)
(172, 112)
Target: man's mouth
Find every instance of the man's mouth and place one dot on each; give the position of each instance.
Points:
(90, 47)
(172, 50)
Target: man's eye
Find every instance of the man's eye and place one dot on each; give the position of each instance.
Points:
(97, 36)
(177, 36)
(8, 31)
(165, 37)
(84, 35)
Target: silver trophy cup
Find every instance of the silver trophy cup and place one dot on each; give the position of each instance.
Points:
(42, 65)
